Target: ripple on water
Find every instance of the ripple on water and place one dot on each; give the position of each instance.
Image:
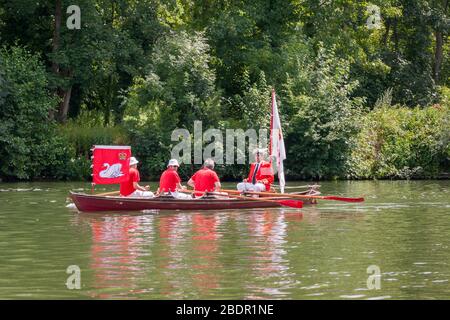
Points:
(315, 286)
(352, 296)
(379, 298)
(256, 254)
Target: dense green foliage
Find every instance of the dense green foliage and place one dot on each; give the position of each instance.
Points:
(398, 142)
(176, 89)
(28, 149)
(355, 101)
(325, 120)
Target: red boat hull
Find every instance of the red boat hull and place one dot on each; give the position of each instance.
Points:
(85, 202)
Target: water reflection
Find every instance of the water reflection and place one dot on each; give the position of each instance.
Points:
(116, 253)
(269, 266)
(169, 255)
(318, 252)
(179, 255)
(205, 251)
(256, 254)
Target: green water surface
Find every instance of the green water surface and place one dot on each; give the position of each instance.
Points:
(319, 252)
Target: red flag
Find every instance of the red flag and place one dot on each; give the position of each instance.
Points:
(111, 164)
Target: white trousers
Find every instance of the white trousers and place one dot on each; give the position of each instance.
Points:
(181, 195)
(142, 194)
(247, 186)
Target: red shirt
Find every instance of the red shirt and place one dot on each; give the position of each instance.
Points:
(264, 172)
(126, 188)
(204, 180)
(169, 180)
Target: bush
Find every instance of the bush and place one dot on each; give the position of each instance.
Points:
(80, 134)
(28, 144)
(63, 164)
(82, 138)
(399, 142)
(325, 118)
(251, 109)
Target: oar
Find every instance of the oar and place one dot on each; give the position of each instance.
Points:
(299, 187)
(300, 196)
(287, 203)
(108, 193)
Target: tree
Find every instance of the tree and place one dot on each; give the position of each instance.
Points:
(108, 49)
(177, 90)
(326, 119)
(179, 78)
(441, 26)
(27, 140)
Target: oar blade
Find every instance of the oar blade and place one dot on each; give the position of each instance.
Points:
(343, 199)
(291, 203)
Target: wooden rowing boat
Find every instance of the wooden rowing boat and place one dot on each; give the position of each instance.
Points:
(90, 202)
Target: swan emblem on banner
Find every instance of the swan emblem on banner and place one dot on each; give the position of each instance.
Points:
(111, 171)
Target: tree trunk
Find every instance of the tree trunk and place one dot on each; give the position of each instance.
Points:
(395, 35)
(56, 34)
(75, 101)
(439, 49)
(64, 94)
(386, 34)
(65, 103)
(438, 56)
(55, 45)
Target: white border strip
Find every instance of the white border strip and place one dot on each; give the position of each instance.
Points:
(111, 147)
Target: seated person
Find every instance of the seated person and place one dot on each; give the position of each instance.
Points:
(260, 177)
(205, 179)
(131, 187)
(170, 181)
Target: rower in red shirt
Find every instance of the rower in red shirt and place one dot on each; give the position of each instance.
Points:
(170, 181)
(205, 179)
(131, 187)
(260, 177)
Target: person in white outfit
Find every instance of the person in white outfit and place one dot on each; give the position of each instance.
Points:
(260, 177)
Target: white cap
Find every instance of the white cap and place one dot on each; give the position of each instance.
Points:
(133, 161)
(260, 151)
(173, 162)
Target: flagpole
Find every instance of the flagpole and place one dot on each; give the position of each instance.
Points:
(271, 125)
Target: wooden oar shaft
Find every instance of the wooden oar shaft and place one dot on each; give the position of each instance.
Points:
(108, 193)
(283, 202)
(299, 187)
(299, 196)
(286, 203)
(254, 199)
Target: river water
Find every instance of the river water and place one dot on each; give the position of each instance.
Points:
(333, 250)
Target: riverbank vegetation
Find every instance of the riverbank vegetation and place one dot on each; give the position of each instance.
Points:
(361, 95)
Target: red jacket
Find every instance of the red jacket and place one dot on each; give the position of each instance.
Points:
(264, 172)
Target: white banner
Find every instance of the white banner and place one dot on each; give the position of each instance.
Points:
(277, 150)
